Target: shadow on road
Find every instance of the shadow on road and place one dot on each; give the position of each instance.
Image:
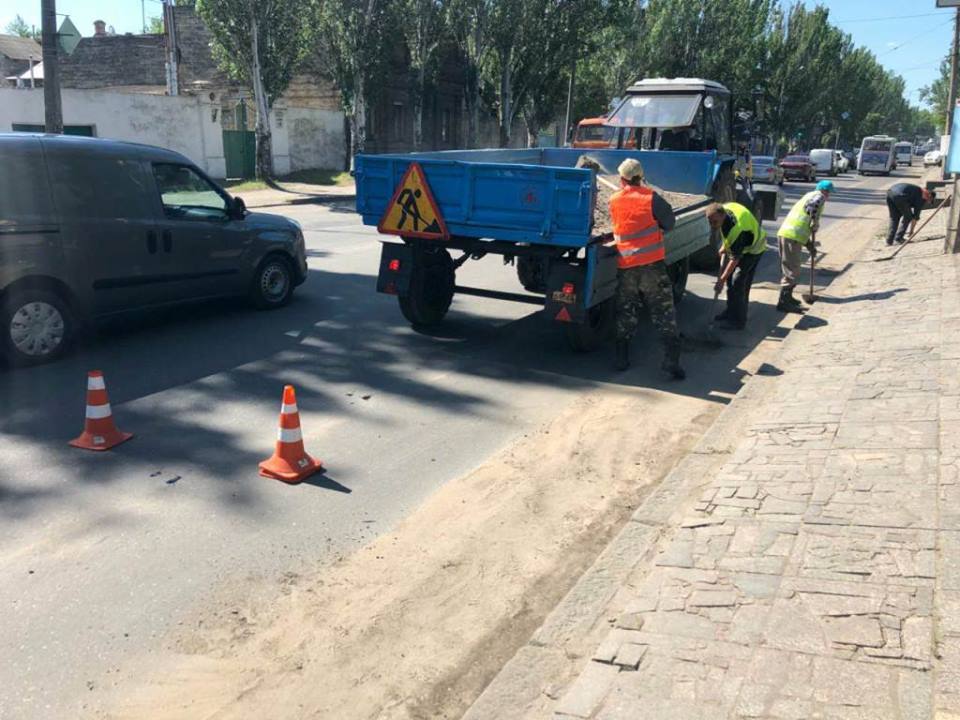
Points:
(337, 334)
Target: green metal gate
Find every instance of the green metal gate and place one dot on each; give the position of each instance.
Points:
(239, 144)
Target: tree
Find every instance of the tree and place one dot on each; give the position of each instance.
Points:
(155, 26)
(18, 26)
(468, 22)
(424, 25)
(260, 43)
(937, 94)
(349, 42)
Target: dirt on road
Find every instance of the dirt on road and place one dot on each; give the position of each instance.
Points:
(415, 624)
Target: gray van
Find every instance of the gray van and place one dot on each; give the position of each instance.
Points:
(91, 228)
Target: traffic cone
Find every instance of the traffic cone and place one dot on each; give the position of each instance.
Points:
(290, 461)
(99, 432)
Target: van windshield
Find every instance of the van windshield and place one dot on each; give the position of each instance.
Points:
(656, 111)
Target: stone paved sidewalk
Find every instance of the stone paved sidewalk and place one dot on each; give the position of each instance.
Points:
(817, 575)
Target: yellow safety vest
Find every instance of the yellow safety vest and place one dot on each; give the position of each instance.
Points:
(797, 226)
(745, 222)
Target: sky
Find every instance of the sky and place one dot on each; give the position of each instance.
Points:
(910, 46)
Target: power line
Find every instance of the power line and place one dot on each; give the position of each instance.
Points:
(882, 19)
(916, 37)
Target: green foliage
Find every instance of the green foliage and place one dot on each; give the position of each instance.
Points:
(937, 94)
(18, 26)
(282, 39)
(155, 25)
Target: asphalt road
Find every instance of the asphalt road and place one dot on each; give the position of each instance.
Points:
(101, 554)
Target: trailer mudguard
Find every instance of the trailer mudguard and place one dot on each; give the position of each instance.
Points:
(396, 269)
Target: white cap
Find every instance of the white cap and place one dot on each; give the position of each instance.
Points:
(631, 169)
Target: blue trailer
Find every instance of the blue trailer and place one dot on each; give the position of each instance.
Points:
(532, 207)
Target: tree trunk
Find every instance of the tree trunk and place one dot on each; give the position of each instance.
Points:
(418, 107)
(471, 99)
(358, 118)
(506, 100)
(532, 131)
(263, 133)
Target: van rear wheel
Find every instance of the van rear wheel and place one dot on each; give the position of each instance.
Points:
(37, 327)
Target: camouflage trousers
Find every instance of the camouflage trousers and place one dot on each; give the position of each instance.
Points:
(647, 285)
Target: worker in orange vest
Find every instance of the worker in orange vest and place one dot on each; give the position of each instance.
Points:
(640, 217)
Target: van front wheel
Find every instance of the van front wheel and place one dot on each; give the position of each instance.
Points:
(37, 327)
(272, 283)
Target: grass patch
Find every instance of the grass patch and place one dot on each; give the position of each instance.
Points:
(319, 177)
(304, 177)
(244, 185)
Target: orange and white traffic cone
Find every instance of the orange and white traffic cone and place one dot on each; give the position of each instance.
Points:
(290, 461)
(99, 432)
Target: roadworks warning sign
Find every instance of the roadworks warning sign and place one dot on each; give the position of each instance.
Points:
(412, 212)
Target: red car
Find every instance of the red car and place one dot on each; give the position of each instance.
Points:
(799, 167)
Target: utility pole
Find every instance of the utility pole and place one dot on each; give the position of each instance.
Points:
(952, 99)
(568, 119)
(52, 109)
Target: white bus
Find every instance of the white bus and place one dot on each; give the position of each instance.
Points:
(876, 155)
(904, 153)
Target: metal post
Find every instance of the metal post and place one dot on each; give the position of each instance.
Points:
(52, 109)
(568, 119)
(952, 99)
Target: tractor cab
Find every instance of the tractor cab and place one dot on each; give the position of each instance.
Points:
(680, 114)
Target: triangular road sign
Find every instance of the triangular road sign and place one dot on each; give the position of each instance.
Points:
(412, 211)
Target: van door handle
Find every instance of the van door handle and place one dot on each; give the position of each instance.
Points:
(151, 242)
(167, 240)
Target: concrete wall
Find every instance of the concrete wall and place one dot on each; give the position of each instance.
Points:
(303, 138)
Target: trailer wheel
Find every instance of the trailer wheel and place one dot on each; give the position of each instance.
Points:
(679, 272)
(431, 287)
(595, 330)
(531, 273)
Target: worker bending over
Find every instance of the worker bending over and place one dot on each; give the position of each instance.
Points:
(743, 243)
(904, 202)
(640, 217)
(799, 230)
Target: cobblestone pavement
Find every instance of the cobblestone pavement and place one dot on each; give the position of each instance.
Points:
(817, 575)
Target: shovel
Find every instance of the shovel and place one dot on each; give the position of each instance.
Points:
(810, 298)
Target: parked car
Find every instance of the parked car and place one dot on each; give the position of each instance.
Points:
(766, 170)
(934, 157)
(824, 160)
(94, 228)
(798, 167)
(843, 164)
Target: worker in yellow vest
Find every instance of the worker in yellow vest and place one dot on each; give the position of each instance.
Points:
(743, 242)
(799, 231)
(640, 217)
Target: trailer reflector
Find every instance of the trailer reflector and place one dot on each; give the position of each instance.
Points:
(394, 265)
(563, 315)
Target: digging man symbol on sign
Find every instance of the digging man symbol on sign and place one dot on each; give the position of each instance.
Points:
(407, 200)
(412, 211)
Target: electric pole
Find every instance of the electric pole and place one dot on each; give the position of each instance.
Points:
(952, 99)
(568, 117)
(52, 109)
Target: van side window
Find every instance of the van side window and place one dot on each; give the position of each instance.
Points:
(97, 186)
(187, 195)
(24, 192)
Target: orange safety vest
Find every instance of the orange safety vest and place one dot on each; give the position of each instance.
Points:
(639, 238)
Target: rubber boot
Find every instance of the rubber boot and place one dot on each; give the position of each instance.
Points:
(622, 351)
(788, 303)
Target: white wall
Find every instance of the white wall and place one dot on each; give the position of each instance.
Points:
(303, 137)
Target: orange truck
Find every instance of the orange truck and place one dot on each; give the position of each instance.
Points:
(595, 134)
